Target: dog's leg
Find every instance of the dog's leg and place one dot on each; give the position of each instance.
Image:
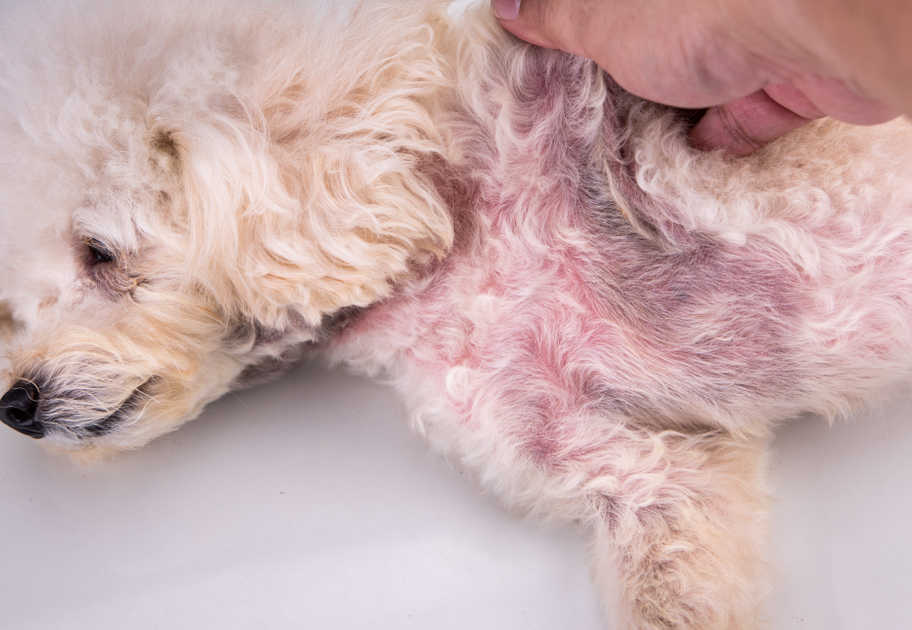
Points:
(685, 529)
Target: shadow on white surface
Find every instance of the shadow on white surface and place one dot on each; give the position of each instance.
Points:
(304, 503)
(307, 503)
(841, 522)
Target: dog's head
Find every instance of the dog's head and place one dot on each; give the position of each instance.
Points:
(188, 196)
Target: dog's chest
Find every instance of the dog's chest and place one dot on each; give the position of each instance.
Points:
(552, 306)
(553, 309)
(562, 314)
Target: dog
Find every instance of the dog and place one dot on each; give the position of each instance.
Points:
(600, 323)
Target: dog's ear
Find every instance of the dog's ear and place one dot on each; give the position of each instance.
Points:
(307, 201)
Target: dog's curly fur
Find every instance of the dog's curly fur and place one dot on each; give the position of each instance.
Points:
(601, 323)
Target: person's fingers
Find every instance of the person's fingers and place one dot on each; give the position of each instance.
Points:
(744, 125)
(831, 97)
(507, 9)
(704, 76)
(548, 23)
(672, 69)
(792, 98)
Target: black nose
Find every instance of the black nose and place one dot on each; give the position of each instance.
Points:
(19, 408)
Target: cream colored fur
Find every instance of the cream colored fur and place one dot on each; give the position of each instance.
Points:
(600, 323)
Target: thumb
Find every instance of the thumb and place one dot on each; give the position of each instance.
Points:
(548, 23)
(745, 124)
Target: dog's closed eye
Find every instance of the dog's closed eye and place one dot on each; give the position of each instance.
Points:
(97, 253)
(106, 269)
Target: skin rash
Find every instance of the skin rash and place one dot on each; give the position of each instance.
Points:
(600, 323)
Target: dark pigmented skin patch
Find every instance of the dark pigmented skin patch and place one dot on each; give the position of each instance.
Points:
(717, 320)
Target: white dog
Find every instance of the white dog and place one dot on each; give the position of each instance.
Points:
(601, 323)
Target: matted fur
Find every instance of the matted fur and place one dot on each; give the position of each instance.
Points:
(599, 322)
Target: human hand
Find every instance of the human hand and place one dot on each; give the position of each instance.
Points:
(761, 70)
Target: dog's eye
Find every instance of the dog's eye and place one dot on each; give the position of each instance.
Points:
(98, 253)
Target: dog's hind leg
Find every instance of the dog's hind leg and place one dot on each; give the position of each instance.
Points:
(685, 530)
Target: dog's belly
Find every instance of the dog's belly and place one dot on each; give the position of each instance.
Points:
(552, 335)
(556, 326)
(536, 360)
(716, 296)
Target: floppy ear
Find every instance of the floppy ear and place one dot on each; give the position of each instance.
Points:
(303, 198)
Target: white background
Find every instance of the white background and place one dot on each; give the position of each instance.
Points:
(307, 504)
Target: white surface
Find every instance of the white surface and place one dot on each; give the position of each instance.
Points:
(301, 504)
(841, 522)
(307, 504)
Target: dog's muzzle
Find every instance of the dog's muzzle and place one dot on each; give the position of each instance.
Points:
(19, 409)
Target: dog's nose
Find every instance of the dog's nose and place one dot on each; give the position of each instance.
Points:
(19, 409)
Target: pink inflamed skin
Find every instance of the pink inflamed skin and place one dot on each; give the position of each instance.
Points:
(601, 323)
(592, 351)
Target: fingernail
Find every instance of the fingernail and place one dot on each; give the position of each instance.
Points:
(507, 9)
